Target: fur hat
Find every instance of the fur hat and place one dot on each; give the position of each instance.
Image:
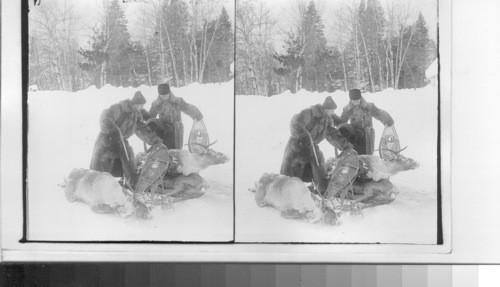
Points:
(329, 104)
(354, 94)
(138, 99)
(163, 89)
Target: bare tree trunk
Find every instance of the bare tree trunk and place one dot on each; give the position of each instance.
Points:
(162, 50)
(184, 67)
(171, 49)
(367, 57)
(345, 72)
(359, 73)
(403, 56)
(206, 48)
(381, 80)
(150, 81)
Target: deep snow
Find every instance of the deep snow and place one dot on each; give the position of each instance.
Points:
(63, 127)
(262, 130)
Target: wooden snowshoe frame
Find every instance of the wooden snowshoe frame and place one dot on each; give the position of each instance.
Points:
(198, 137)
(154, 169)
(343, 175)
(389, 143)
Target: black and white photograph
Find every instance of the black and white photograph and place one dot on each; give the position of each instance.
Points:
(130, 121)
(337, 122)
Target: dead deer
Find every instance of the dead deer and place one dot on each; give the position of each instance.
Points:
(103, 193)
(372, 186)
(181, 180)
(185, 162)
(292, 198)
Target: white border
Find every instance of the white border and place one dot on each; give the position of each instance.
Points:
(11, 188)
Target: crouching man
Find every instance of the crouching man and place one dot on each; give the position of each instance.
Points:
(112, 152)
(302, 158)
(169, 124)
(356, 125)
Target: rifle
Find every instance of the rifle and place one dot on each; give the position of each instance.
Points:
(123, 141)
(313, 148)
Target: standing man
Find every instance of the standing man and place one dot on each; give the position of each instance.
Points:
(112, 152)
(302, 158)
(169, 125)
(359, 131)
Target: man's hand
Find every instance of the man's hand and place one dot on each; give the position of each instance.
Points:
(198, 117)
(389, 123)
(114, 134)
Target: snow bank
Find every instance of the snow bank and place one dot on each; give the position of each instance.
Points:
(63, 127)
(262, 130)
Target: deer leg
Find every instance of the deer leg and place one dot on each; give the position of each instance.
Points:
(103, 208)
(366, 195)
(292, 214)
(188, 194)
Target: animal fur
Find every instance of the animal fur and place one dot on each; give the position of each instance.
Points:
(183, 187)
(185, 162)
(373, 193)
(103, 193)
(374, 168)
(372, 185)
(291, 197)
(294, 200)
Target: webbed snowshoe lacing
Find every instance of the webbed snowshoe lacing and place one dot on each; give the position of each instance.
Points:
(151, 178)
(342, 172)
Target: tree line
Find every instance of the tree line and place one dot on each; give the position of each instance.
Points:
(180, 42)
(374, 49)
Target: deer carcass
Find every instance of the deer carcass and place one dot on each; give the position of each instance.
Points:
(103, 193)
(292, 198)
(372, 186)
(180, 180)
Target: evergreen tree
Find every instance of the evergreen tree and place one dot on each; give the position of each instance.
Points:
(221, 55)
(314, 48)
(290, 64)
(418, 59)
(334, 70)
(109, 59)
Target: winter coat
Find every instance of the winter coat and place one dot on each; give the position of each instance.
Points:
(298, 151)
(169, 125)
(359, 131)
(109, 149)
(360, 117)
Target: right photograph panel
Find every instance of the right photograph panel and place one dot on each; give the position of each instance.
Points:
(337, 122)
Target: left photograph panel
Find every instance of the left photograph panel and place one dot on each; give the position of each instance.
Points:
(130, 121)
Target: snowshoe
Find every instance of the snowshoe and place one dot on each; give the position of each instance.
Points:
(154, 169)
(389, 143)
(198, 137)
(343, 175)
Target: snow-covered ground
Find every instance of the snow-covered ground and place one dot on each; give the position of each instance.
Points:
(262, 130)
(63, 127)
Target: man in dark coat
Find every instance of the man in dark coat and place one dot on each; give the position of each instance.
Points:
(168, 125)
(112, 152)
(312, 124)
(359, 131)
